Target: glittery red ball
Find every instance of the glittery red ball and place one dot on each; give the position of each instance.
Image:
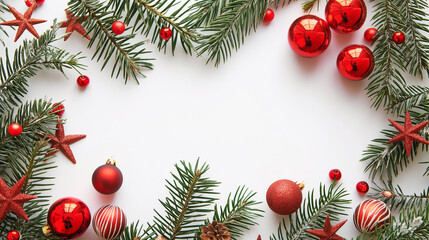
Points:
(118, 27)
(345, 16)
(335, 174)
(13, 235)
(68, 218)
(40, 1)
(355, 62)
(83, 81)
(362, 187)
(165, 33)
(309, 36)
(369, 34)
(269, 15)
(15, 129)
(398, 37)
(371, 214)
(284, 197)
(58, 109)
(28, 3)
(107, 179)
(109, 222)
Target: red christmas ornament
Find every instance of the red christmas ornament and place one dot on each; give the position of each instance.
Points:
(370, 34)
(28, 3)
(345, 16)
(408, 133)
(328, 232)
(371, 214)
(14, 129)
(13, 235)
(68, 218)
(362, 187)
(118, 27)
(58, 109)
(165, 33)
(355, 62)
(309, 36)
(107, 179)
(109, 222)
(40, 1)
(73, 24)
(83, 81)
(284, 197)
(398, 37)
(335, 174)
(269, 15)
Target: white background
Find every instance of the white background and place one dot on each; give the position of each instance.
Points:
(266, 114)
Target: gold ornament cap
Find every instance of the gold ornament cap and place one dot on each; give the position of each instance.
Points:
(46, 230)
(388, 194)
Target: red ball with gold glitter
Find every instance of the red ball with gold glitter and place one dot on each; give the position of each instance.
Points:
(269, 15)
(371, 214)
(284, 197)
(165, 33)
(13, 235)
(355, 62)
(14, 129)
(109, 222)
(345, 16)
(107, 179)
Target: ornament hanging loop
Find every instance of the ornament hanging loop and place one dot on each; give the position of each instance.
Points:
(111, 161)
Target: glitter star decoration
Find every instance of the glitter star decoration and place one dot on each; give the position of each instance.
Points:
(73, 24)
(328, 232)
(24, 21)
(408, 133)
(61, 142)
(11, 199)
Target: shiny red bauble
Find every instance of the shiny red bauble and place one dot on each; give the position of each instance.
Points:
(118, 27)
(165, 33)
(58, 109)
(14, 129)
(269, 15)
(335, 174)
(355, 62)
(398, 37)
(13, 235)
(345, 16)
(362, 187)
(83, 81)
(109, 222)
(309, 36)
(284, 197)
(68, 218)
(371, 214)
(28, 3)
(370, 34)
(107, 179)
(40, 1)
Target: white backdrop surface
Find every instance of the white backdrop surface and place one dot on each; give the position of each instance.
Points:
(266, 114)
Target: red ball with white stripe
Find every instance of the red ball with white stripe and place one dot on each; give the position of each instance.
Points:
(371, 214)
(109, 222)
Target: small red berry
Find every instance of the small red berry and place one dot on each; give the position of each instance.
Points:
(13, 235)
(83, 81)
(165, 33)
(59, 109)
(40, 1)
(398, 37)
(335, 174)
(369, 34)
(118, 27)
(269, 15)
(362, 187)
(14, 129)
(28, 3)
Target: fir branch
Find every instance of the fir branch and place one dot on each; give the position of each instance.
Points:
(202, 12)
(3, 9)
(308, 5)
(136, 232)
(411, 97)
(280, 3)
(312, 213)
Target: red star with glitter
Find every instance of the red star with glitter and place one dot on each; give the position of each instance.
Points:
(328, 232)
(11, 199)
(24, 21)
(408, 133)
(62, 142)
(73, 24)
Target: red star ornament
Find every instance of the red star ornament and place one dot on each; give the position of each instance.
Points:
(72, 24)
(24, 21)
(62, 142)
(328, 232)
(11, 199)
(408, 133)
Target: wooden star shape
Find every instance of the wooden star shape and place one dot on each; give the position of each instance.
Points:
(408, 133)
(328, 232)
(11, 199)
(73, 24)
(62, 142)
(24, 21)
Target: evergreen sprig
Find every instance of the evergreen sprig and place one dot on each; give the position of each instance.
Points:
(411, 97)
(3, 9)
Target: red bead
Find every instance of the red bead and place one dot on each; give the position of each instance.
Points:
(335, 174)
(269, 15)
(28, 3)
(118, 27)
(58, 109)
(15, 129)
(345, 16)
(13, 235)
(165, 33)
(362, 187)
(284, 197)
(369, 34)
(109, 222)
(83, 81)
(398, 37)
(355, 62)
(40, 1)
(107, 179)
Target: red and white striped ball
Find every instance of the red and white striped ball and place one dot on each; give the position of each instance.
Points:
(371, 214)
(109, 222)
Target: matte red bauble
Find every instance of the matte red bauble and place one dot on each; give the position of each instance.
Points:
(355, 62)
(369, 34)
(68, 218)
(309, 36)
(83, 81)
(371, 214)
(335, 174)
(107, 179)
(362, 187)
(13, 235)
(165, 33)
(398, 37)
(345, 16)
(269, 15)
(118, 27)
(109, 222)
(58, 109)
(14, 129)
(284, 197)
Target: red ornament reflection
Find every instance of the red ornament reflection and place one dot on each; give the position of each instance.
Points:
(345, 15)
(355, 62)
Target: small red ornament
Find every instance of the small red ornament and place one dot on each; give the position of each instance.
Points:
(58, 109)
(109, 222)
(284, 197)
(13, 235)
(40, 1)
(355, 62)
(107, 179)
(345, 16)
(165, 33)
(370, 34)
(118, 27)
(15, 129)
(371, 214)
(68, 218)
(309, 36)
(398, 37)
(328, 232)
(269, 15)
(362, 187)
(335, 174)
(28, 3)
(83, 81)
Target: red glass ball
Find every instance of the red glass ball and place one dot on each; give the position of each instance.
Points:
(13, 235)
(40, 1)
(109, 222)
(15, 129)
(83, 81)
(335, 174)
(362, 187)
(369, 34)
(269, 15)
(28, 3)
(398, 37)
(58, 109)
(355, 62)
(284, 197)
(165, 33)
(345, 16)
(68, 218)
(371, 214)
(309, 36)
(118, 27)
(107, 179)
